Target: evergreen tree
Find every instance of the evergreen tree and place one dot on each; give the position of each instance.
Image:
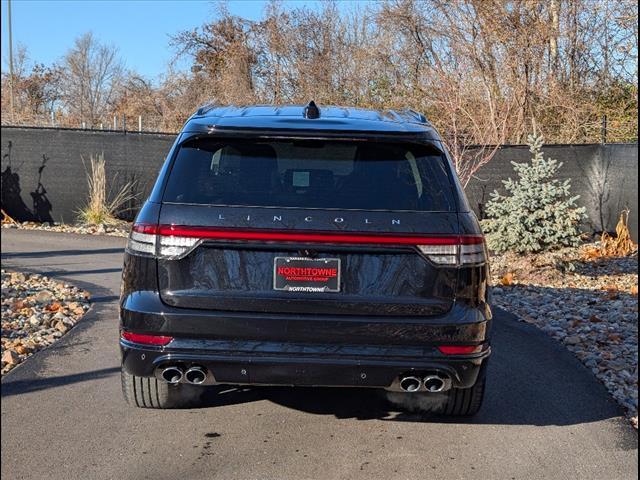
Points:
(538, 212)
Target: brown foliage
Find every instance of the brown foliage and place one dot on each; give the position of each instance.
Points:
(486, 72)
(620, 245)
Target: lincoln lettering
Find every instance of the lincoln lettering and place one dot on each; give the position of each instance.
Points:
(308, 219)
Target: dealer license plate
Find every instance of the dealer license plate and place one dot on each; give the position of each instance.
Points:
(299, 274)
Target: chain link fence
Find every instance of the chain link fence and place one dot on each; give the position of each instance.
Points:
(118, 123)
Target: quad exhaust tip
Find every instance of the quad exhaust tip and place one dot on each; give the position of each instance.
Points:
(195, 375)
(172, 374)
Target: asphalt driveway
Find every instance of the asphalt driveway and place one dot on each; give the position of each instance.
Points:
(545, 415)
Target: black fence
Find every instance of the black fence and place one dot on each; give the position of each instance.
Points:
(44, 172)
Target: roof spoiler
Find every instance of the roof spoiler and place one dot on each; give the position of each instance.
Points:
(206, 107)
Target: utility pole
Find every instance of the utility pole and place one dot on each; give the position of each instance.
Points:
(10, 61)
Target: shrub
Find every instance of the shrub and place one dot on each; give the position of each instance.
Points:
(103, 204)
(538, 212)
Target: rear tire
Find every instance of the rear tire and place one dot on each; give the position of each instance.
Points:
(146, 392)
(464, 402)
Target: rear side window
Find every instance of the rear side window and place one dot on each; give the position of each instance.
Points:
(311, 174)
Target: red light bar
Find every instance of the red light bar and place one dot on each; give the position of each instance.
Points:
(459, 349)
(146, 339)
(313, 237)
(145, 228)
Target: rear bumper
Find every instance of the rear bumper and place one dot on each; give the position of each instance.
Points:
(297, 369)
(269, 349)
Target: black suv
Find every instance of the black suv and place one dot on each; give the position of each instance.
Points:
(306, 246)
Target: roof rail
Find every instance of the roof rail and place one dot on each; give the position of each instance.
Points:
(206, 107)
(417, 115)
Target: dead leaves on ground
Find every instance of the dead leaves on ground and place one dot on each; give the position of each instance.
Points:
(613, 292)
(19, 305)
(614, 338)
(507, 279)
(53, 307)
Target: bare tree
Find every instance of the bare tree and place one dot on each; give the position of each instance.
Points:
(449, 57)
(36, 89)
(224, 49)
(92, 73)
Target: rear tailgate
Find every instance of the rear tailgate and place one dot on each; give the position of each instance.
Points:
(241, 274)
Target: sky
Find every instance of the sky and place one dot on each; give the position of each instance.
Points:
(139, 28)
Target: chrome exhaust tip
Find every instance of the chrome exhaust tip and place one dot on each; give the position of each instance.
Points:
(195, 375)
(434, 383)
(171, 374)
(410, 384)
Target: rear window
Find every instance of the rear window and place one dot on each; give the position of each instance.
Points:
(311, 174)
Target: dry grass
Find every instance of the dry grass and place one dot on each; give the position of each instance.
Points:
(6, 218)
(103, 204)
(619, 246)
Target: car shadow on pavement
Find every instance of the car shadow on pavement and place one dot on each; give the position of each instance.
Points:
(28, 384)
(532, 380)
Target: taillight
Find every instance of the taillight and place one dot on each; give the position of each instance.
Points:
(157, 241)
(175, 247)
(176, 241)
(466, 250)
(441, 254)
(158, 340)
(142, 242)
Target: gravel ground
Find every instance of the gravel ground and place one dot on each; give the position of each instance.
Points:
(36, 311)
(120, 229)
(590, 305)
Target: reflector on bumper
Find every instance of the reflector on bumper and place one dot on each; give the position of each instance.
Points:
(146, 339)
